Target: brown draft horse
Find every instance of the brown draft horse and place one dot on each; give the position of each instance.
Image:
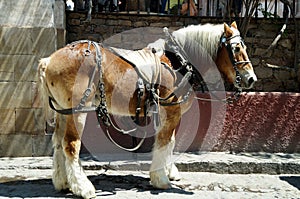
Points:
(67, 73)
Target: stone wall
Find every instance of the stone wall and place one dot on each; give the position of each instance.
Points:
(29, 30)
(276, 69)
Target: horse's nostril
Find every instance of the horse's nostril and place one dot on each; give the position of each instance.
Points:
(251, 81)
(237, 49)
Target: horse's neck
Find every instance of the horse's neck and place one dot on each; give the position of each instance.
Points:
(207, 36)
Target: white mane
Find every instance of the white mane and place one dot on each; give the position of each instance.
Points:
(200, 44)
(207, 36)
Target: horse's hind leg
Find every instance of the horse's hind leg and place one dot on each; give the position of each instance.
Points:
(162, 169)
(59, 176)
(77, 180)
(68, 174)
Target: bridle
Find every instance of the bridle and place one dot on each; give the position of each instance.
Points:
(230, 45)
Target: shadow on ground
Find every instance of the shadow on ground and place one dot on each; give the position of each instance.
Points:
(111, 184)
(30, 189)
(105, 185)
(292, 180)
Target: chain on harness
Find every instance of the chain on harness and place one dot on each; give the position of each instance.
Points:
(104, 116)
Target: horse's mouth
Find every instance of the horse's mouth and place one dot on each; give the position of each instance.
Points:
(247, 82)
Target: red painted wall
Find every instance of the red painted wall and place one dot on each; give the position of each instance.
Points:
(258, 121)
(262, 122)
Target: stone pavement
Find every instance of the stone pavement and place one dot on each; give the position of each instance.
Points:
(205, 175)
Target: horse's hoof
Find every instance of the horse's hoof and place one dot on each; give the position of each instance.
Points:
(61, 186)
(174, 174)
(159, 181)
(164, 186)
(90, 194)
(175, 177)
(86, 190)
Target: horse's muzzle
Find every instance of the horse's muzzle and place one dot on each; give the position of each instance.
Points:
(249, 80)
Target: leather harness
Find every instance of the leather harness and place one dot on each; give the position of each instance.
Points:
(153, 98)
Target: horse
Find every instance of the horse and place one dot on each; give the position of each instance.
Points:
(85, 73)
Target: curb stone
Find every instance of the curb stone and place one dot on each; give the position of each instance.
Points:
(216, 162)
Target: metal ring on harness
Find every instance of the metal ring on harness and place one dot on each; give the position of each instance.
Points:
(87, 52)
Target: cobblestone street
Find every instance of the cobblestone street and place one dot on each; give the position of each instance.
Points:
(31, 178)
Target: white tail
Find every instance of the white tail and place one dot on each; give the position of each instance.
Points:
(44, 92)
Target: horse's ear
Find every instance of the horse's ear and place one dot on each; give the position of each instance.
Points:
(228, 32)
(233, 24)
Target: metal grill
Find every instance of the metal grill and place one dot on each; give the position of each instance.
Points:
(193, 8)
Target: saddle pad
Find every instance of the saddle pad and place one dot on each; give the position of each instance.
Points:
(146, 63)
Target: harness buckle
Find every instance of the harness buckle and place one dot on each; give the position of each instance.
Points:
(154, 109)
(140, 86)
(87, 92)
(223, 40)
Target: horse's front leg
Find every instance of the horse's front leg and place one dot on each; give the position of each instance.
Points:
(77, 180)
(162, 169)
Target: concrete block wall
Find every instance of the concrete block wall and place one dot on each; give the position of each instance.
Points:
(29, 30)
(276, 68)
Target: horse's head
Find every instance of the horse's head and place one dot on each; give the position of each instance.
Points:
(232, 59)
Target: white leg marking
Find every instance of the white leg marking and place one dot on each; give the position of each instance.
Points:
(79, 183)
(173, 172)
(161, 157)
(59, 176)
